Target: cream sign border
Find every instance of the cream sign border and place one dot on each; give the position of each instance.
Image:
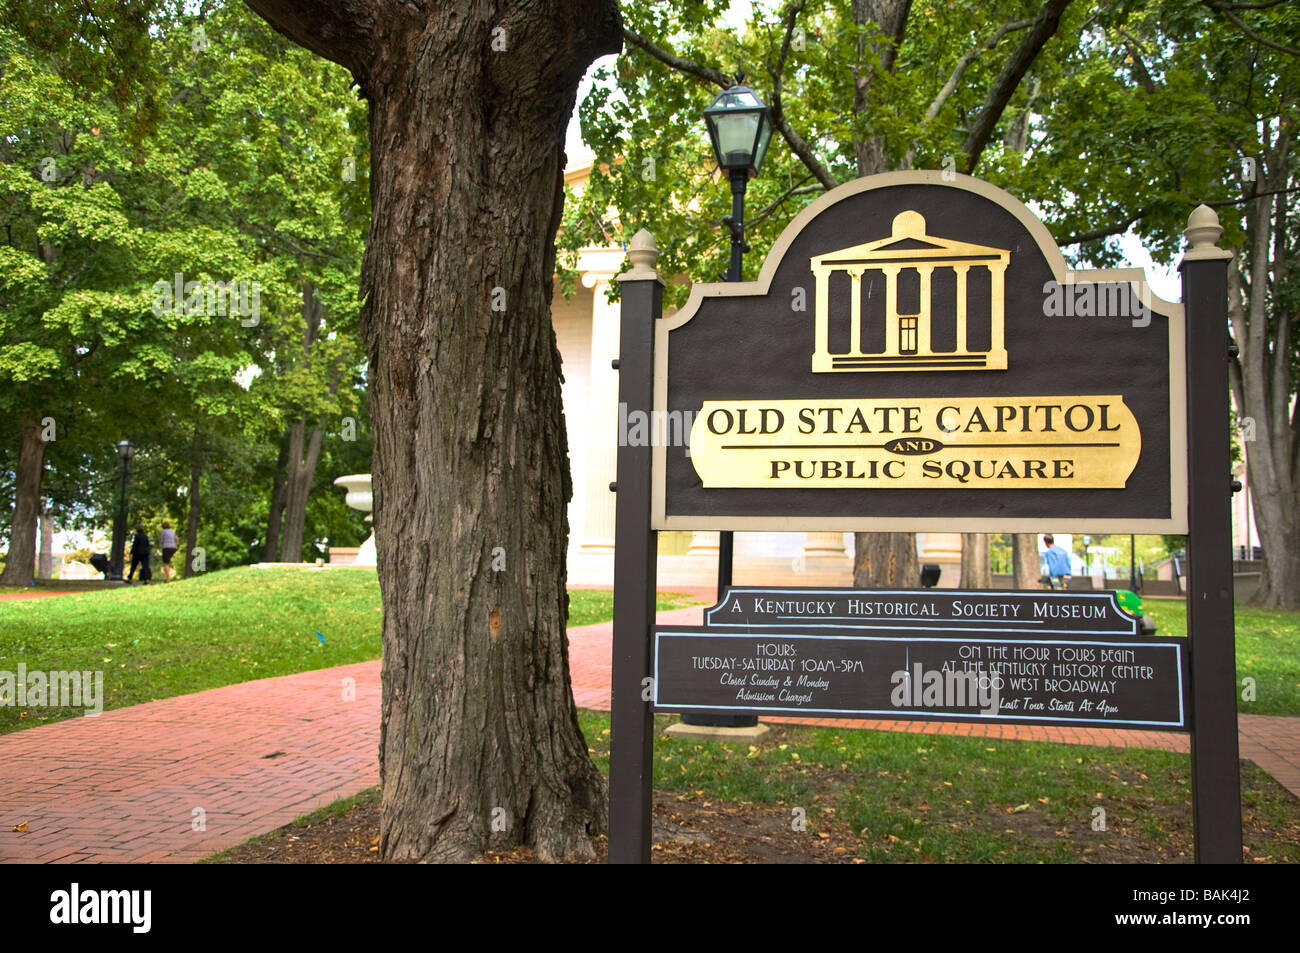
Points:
(1176, 524)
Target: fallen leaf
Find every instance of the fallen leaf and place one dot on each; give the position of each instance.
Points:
(21, 828)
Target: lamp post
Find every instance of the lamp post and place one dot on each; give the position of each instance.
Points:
(740, 130)
(125, 451)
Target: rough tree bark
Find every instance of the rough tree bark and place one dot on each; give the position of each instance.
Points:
(301, 473)
(881, 47)
(880, 559)
(1024, 560)
(975, 570)
(1262, 383)
(45, 561)
(275, 518)
(20, 563)
(304, 450)
(480, 744)
(886, 560)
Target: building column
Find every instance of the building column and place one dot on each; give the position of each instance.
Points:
(891, 307)
(821, 359)
(923, 318)
(703, 543)
(823, 552)
(855, 310)
(602, 424)
(997, 314)
(961, 268)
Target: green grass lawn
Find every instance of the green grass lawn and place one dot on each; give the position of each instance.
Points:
(910, 798)
(1268, 650)
(215, 629)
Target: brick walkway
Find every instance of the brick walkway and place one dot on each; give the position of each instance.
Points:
(124, 786)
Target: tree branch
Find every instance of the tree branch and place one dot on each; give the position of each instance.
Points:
(1241, 25)
(801, 149)
(969, 57)
(1253, 195)
(706, 74)
(776, 111)
(343, 31)
(716, 77)
(1139, 67)
(1045, 26)
(1104, 232)
(797, 189)
(791, 15)
(1264, 5)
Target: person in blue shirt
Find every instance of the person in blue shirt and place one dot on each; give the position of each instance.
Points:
(1058, 564)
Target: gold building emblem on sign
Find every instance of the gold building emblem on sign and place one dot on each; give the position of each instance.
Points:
(906, 263)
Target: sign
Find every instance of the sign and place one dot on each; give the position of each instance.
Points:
(987, 655)
(926, 338)
(1038, 612)
(1071, 442)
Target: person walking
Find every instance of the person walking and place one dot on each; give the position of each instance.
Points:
(1058, 564)
(140, 555)
(167, 543)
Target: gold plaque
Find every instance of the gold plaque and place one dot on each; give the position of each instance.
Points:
(944, 443)
(909, 250)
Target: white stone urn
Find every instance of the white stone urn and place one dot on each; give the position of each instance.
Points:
(359, 498)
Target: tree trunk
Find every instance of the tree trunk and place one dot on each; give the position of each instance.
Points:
(975, 571)
(301, 469)
(1262, 388)
(480, 745)
(20, 563)
(192, 525)
(877, 51)
(880, 559)
(1024, 560)
(886, 561)
(298, 483)
(271, 551)
(45, 566)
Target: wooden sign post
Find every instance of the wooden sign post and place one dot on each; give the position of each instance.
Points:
(914, 356)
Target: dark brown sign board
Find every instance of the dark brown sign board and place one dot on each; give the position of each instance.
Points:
(925, 338)
(1029, 658)
(915, 355)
